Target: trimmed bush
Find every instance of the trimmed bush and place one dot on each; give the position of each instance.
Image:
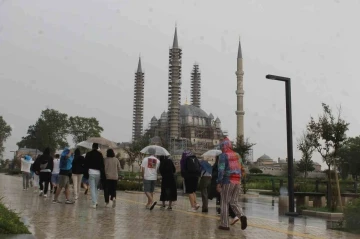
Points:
(255, 170)
(129, 185)
(10, 222)
(352, 216)
(14, 171)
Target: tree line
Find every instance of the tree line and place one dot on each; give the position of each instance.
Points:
(53, 127)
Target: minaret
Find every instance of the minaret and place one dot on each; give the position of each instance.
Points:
(196, 86)
(240, 94)
(174, 88)
(138, 110)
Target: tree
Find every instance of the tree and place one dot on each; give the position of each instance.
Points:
(243, 147)
(5, 133)
(50, 130)
(349, 155)
(327, 135)
(133, 150)
(81, 128)
(305, 146)
(255, 170)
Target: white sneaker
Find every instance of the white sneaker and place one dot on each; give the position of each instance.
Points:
(192, 210)
(93, 206)
(45, 195)
(197, 206)
(114, 203)
(41, 193)
(76, 198)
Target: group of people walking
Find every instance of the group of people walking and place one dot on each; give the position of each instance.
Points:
(221, 181)
(56, 172)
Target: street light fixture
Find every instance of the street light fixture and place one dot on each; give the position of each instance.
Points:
(289, 142)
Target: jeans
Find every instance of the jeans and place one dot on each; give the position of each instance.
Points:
(110, 190)
(76, 178)
(45, 177)
(204, 183)
(94, 181)
(26, 178)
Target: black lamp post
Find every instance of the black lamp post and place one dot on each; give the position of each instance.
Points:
(289, 142)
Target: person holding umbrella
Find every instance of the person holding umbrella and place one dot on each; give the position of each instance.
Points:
(149, 168)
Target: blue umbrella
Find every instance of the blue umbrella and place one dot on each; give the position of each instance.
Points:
(206, 166)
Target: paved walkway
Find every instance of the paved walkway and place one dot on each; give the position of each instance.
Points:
(131, 220)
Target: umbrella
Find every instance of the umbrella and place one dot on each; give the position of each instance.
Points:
(206, 166)
(85, 144)
(212, 153)
(158, 150)
(102, 141)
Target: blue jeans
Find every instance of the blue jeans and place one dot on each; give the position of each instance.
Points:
(94, 181)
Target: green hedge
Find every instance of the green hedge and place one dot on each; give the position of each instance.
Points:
(352, 216)
(129, 185)
(13, 171)
(10, 222)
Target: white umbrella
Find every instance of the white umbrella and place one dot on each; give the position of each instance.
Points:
(212, 153)
(85, 144)
(102, 141)
(158, 150)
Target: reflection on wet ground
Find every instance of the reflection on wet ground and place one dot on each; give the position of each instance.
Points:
(130, 219)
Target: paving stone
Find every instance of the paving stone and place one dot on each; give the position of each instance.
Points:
(130, 219)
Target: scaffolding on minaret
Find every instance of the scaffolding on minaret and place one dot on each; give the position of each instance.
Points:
(138, 109)
(174, 94)
(196, 86)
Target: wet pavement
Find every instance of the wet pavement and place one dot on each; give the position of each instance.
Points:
(130, 219)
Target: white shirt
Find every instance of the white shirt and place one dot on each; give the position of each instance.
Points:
(56, 168)
(151, 166)
(25, 165)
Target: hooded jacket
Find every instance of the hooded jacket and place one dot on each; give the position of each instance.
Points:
(65, 162)
(78, 163)
(45, 157)
(95, 160)
(229, 166)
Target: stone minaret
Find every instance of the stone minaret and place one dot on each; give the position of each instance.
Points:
(196, 86)
(174, 89)
(138, 110)
(240, 94)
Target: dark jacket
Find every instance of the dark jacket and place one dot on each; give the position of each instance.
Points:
(94, 160)
(185, 173)
(45, 157)
(78, 163)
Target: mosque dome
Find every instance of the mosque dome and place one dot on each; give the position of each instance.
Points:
(190, 110)
(265, 158)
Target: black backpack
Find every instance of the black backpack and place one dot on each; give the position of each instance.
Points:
(193, 166)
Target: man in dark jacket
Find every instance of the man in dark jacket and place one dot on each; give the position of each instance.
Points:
(43, 167)
(94, 167)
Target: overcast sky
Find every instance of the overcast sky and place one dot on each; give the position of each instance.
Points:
(79, 57)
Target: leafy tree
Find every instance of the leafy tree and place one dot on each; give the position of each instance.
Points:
(305, 146)
(327, 134)
(50, 130)
(349, 154)
(82, 128)
(243, 147)
(255, 170)
(5, 132)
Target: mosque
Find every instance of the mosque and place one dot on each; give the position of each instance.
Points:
(183, 126)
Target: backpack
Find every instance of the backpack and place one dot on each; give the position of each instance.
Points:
(193, 165)
(44, 164)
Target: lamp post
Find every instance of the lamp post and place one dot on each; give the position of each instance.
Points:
(289, 142)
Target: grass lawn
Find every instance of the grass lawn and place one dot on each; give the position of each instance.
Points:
(10, 222)
(322, 209)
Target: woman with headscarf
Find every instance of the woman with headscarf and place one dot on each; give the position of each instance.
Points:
(77, 171)
(168, 183)
(26, 163)
(190, 171)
